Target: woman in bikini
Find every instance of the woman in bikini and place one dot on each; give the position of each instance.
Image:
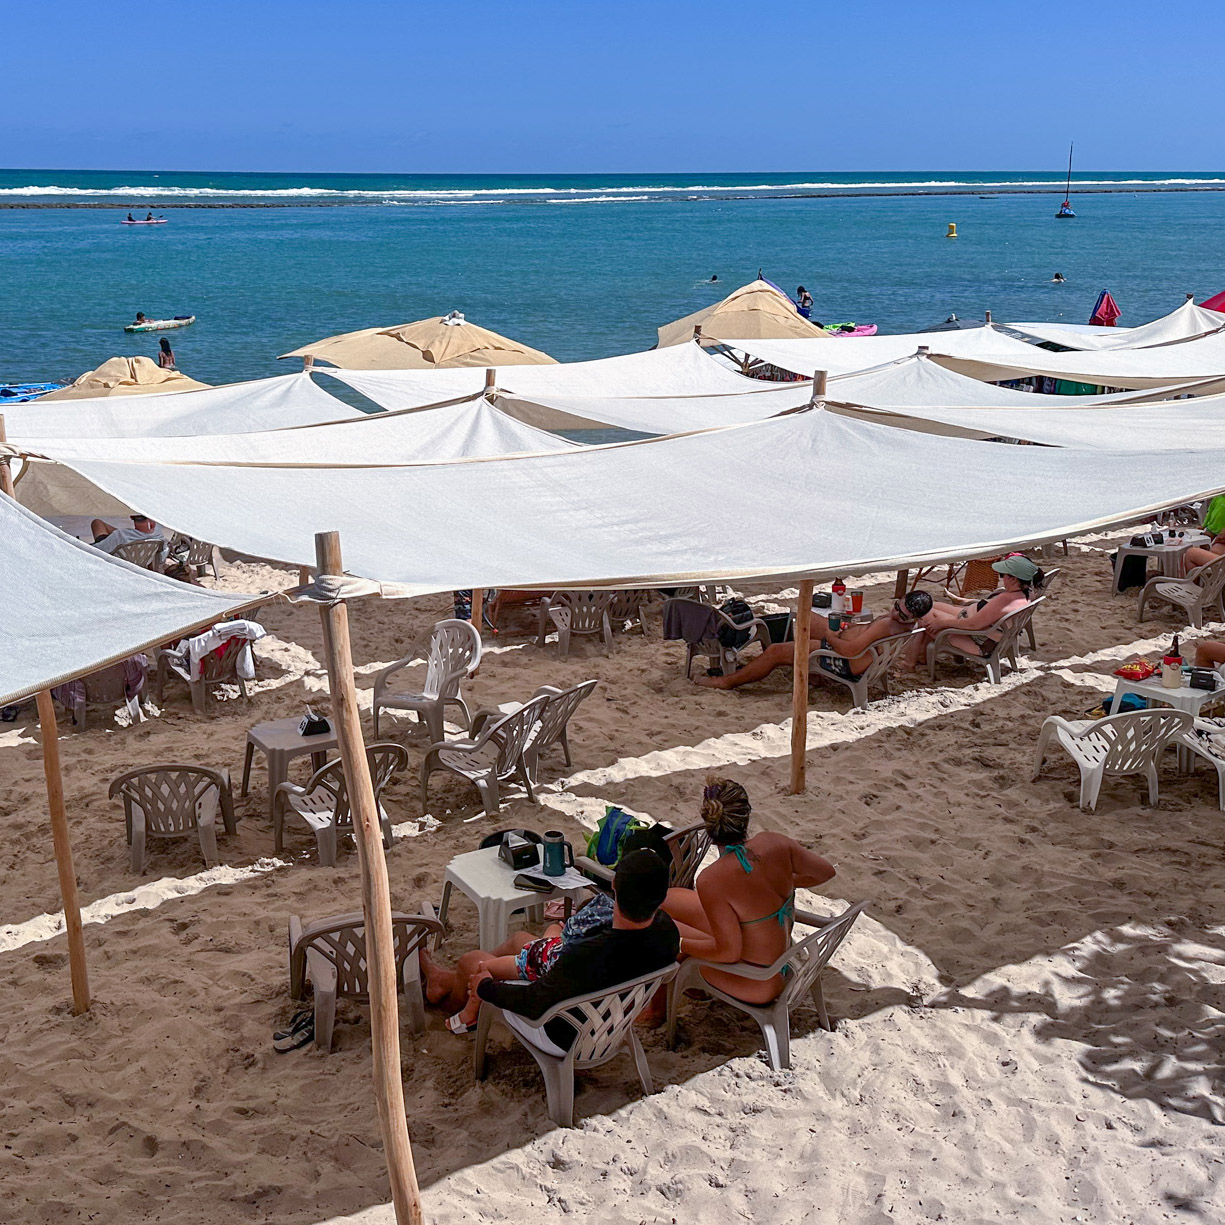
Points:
(743, 906)
(978, 618)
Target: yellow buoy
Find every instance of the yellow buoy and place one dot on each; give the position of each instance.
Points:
(952, 230)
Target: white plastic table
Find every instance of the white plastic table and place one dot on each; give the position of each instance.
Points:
(280, 743)
(490, 883)
(1169, 556)
(1183, 698)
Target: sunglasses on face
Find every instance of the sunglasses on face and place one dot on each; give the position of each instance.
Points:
(902, 613)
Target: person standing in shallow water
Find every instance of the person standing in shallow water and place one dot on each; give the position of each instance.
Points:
(165, 355)
(803, 302)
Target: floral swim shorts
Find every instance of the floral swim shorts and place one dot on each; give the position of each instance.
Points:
(536, 959)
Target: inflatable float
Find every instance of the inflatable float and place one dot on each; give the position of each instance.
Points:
(160, 325)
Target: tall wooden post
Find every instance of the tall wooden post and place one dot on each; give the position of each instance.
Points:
(6, 473)
(901, 583)
(308, 362)
(491, 379)
(987, 320)
(63, 852)
(376, 897)
(478, 608)
(799, 694)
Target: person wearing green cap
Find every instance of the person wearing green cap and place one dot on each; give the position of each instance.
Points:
(978, 618)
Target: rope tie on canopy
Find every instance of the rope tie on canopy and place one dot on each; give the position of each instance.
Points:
(332, 589)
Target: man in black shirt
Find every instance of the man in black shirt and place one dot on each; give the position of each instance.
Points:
(642, 939)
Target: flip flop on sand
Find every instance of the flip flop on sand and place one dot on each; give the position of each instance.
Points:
(459, 1027)
(301, 1031)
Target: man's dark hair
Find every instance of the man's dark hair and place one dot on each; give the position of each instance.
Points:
(918, 603)
(640, 885)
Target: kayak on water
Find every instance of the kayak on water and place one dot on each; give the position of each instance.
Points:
(850, 329)
(160, 325)
(21, 393)
(155, 221)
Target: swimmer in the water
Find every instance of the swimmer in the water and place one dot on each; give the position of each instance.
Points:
(1058, 278)
(714, 276)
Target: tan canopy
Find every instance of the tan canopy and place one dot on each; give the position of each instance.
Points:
(444, 341)
(756, 311)
(125, 376)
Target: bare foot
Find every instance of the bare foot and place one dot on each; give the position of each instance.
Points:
(712, 682)
(438, 982)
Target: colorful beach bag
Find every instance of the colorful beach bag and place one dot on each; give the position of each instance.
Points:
(605, 845)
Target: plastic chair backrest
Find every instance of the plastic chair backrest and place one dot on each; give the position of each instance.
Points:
(557, 712)
(455, 650)
(885, 652)
(586, 609)
(222, 664)
(689, 847)
(384, 760)
(809, 956)
(143, 553)
(1012, 625)
(511, 734)
(602, 1019)
(199, 552)
(1210, 579)
(1137, 738)
(169, 797)
(343, 943)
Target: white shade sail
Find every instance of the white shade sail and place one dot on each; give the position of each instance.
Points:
(1202, 358)
(810, 493)
(265, 404)
(1184, 323)
(70, 609)
(848, 354)
(682, 370)
(470, 428)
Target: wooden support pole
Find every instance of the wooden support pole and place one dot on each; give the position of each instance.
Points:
(899, 586)
(799, 693)
(308, 362)
(819, 378)
(376, 897)
(305, 577)
(6, 473)
(988, 318)
(491, 379)
(478, 608)
(63, 852)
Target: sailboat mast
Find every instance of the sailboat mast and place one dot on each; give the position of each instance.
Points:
(1067, 191)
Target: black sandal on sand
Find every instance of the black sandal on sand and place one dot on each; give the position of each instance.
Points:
(301, 1031)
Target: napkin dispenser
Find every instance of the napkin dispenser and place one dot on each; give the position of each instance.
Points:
(1203, 678)
(313, 724)
(518, 853)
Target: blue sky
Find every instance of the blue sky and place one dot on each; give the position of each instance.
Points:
(672, 85)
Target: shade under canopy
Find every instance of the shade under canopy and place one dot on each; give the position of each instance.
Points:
(264, 404)
(443, 342)
(70, 609)
(757, 309)
(807, 494)
(1184, 323)
(124, 376)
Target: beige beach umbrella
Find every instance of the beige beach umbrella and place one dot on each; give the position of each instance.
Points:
(446, 341)
(125, 376)
(756, 311)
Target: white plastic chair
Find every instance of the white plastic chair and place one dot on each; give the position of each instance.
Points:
(688, 848)
(1206, 740)
(332, 954)
(323, 804)
(1198, 593)
(583, 613)
(1009, 627)
(724, 657)
(802, 963)
(147, 554)
(174, 801)
(1129, 743)
(494, 756)
(603, 1022)
(885, 653)
(1051, 578)
(453, 655)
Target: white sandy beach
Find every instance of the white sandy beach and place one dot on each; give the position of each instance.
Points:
(1032, 1017)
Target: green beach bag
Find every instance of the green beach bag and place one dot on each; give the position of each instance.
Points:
(1214, 520)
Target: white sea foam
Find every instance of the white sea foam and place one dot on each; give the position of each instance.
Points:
(637, 191)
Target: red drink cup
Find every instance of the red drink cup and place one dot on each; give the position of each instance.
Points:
(856, 602)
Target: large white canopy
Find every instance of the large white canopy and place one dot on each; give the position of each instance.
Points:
(265, 404)
(851, 353)
(463, 430)
(1166, 425)
(682, 370)
(810, 493)
(1184, 323)
(70, 609)
(1189, 360)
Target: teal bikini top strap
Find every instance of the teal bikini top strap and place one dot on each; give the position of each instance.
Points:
(737, 849)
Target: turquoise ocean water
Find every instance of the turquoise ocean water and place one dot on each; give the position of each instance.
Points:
(579, 266)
